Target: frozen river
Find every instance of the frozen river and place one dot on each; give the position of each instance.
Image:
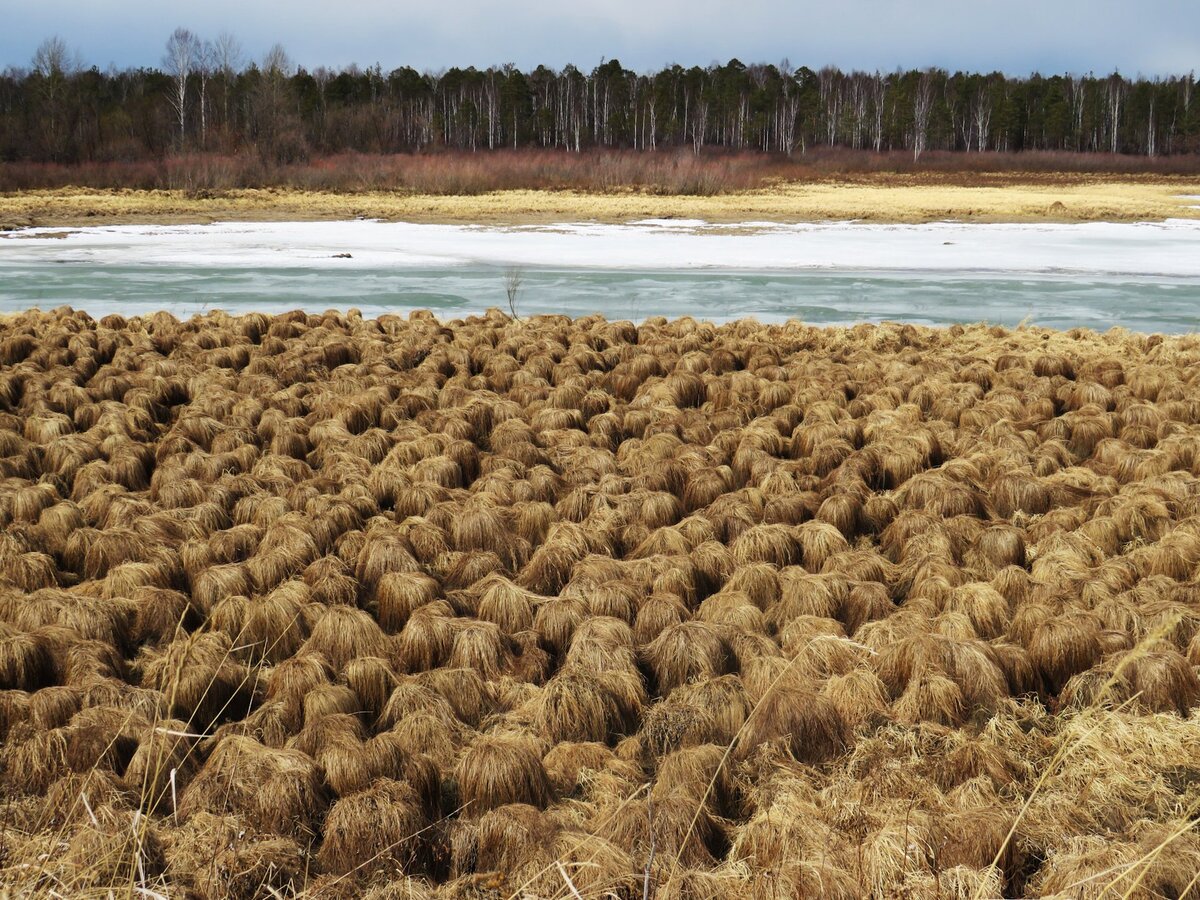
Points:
(1142, 276)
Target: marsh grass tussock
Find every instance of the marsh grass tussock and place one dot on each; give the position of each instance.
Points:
(318, 605)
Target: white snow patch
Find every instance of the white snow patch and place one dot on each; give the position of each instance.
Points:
(1170, 249)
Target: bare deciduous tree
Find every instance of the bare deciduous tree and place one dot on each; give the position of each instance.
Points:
(206, 59)
(922, 106)
(183, 51)
(1077, 97)
(981, 113)
(829, 84)
(227, 60)
(277, 63)
(879, 87)
(52, 58)
(273, 88)
(1115, 95)
(53, 62)
(1151, 133)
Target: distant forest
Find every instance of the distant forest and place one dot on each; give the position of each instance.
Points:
(208, 97)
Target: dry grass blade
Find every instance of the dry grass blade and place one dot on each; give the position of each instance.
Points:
(567, 878)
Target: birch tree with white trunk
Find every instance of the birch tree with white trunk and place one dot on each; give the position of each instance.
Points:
(878, 97)
(1115, 97)
(182, 56)
(206, 59)
(922, 106)
(982, 116)
(55, 64)
(227, 61)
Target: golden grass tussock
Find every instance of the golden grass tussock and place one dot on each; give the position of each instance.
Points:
(271, 628)
(732, 609)
(508, 606)
(160, 614)
(942, 679)
(468, 694)
(343, 634)
(217, 582)
(399, 594)
(702, 774)
(774, 544)
(687, 652)
(201, 679)
(274, 791)
(292, 679)
(1157, 861)
(426, 639)
(316, 605)
(411, 698)
(215, 856)
(372, 679)
(25, 661)
(498, 846)
(331, 582)
(1062, 646)
(498, 770)
(569, 764)
(383, 552)
(671, 826)
(865, 602)
(602, 644)
(118, 847)
(806, 724)
(1153, 676)
(987, 612)
(380, 826)
(481, 646)
(578, 705)
(803, 594)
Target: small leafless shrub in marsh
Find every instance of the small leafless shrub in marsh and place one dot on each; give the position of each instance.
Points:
(513, 278)
(665, 172)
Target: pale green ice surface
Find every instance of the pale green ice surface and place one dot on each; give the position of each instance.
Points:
(1139, 303)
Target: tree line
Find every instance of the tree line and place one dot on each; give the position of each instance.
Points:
(207, 96)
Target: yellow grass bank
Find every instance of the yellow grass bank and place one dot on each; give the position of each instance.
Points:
(893, 198)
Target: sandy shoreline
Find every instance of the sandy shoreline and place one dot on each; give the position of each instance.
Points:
(877, 199)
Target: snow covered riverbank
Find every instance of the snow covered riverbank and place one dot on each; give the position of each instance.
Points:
(1143, 276)
(1169, 248)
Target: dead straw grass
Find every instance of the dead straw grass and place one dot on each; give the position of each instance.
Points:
(574, 609)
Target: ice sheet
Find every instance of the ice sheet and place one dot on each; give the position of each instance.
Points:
(1169, 249)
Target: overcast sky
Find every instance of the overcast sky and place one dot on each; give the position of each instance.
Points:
(1015, 36)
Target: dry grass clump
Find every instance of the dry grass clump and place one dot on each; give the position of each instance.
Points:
(216, 856)
(317, 605)
(683, 653)
(496, 770)
(379, 826)
(25, 661)
(274, 791)
(577, 705)
(201, 679)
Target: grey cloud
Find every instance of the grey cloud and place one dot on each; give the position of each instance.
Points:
(1016, 36)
